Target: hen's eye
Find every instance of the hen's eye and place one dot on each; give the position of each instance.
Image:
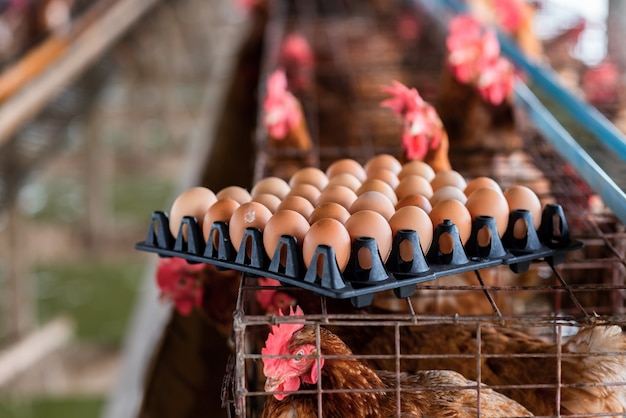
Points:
(299, 356)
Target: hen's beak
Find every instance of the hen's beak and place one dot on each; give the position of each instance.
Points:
(271, 383)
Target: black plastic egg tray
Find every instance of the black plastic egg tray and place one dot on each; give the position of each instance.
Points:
(549, 243)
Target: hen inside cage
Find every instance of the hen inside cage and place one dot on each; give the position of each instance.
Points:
(545, 339)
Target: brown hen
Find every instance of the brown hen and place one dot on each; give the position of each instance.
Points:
(352, 388)
(592, 367)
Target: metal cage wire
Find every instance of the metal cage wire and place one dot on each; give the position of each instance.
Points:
(357, 50)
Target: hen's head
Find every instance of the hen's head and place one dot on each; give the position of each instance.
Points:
(296, 56)
(474, 58)
(179, 282)
(601, 83)
(295, 367)
(423, 128)
(272, 300)
(510, 14)
(281, 108)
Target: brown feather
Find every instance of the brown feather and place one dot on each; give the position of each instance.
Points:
(539, 367)
(433, 393)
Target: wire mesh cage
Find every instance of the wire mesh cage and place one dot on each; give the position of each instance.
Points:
(547, 337)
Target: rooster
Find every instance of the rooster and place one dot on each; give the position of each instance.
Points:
(354, 389)
(593, 363)
(423, 135)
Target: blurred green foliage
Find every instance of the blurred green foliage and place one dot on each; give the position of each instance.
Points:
(99, 296)
(79, 407)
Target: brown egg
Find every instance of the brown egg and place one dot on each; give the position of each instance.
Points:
(220, 211)
(338, 194)
(415, 219)
(413, 184)
(415, 200)
(456, 212)
(251, 214)
(448, 192)
(284, 222)
(375, 201)
(272, 185)
(522, 197)
(331, 232)
(268, 200)
(383, 161)
(329, 210)
(192, 202)
(308, 191)
(419, 168)
(375, 185)
(309, 175)
(346, 166)
(345, 179)
(385, 175)
(479, 182)
(297, 203)
(448, 178)
(489, 202)
(367, 223)
(237, 193)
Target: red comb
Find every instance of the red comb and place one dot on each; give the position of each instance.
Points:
(278, 339)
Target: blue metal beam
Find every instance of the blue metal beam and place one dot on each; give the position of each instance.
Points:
(613, 139)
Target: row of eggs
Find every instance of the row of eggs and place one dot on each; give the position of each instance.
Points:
(351, 200)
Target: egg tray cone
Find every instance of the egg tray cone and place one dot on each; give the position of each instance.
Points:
(550, 243)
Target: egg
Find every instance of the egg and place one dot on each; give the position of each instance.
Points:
(192, 202)
(375, 185)
(329, 210)
(237, 193)
(220, 211)
(415, 219)
(386, 161)
(272, 185)
(375, 201)
(250, 214)
(331, 232)
(309, 175)
(448, 178)
(297, 203)
(338, 194)
(479, 182)
(346, 166)
(415, 200)
(489, 202)
(417, 167)
(367, 223)
(385, 175)
(345, 179)
(522, 197)
(284, 222)
(413, 184)
(448, 192)
(308, 191)
(456, 212)
(268, 200)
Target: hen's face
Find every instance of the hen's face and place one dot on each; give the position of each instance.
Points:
(286, 374)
